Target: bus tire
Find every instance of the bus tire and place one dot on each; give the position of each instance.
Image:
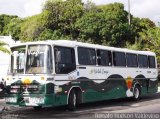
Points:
(72, 101)
(136, 93)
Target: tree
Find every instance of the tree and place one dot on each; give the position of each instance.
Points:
(63, 15)
(146, 23)
(14, 28)
(138, 26)
(3, 48)
(105, 24)
(51, 35)
(116, 30)
(90, 26)
(136, 46)
(151, 39)
(72, 19)
(32, 27)
(4, 20)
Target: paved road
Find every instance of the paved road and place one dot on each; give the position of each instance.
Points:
(148, 104)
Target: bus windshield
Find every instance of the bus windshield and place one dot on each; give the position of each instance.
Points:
(18, 59)
(36, 60)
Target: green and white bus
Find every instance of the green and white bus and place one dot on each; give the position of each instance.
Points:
(62, 72)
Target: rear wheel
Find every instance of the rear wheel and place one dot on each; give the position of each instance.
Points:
(72, 101)
(136, 93)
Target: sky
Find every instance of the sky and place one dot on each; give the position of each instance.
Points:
(139, 8)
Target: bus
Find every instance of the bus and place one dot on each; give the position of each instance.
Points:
(62, 72)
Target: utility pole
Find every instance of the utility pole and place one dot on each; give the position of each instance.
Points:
(129, 14)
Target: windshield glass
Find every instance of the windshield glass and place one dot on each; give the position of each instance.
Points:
(18, 59)
(39, 59)
(36, 60)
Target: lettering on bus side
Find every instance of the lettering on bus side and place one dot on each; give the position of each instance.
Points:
(99, 71)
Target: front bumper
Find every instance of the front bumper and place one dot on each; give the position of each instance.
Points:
(30, 100)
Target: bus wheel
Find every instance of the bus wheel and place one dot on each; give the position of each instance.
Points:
(37, 108)
(72, 101)
(136, 93)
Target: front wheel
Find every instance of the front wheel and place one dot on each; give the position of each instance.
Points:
(136, 93)
(72, 101)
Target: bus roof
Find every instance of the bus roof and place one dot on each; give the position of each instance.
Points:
(69, 43)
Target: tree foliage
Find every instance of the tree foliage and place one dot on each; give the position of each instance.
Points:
(4, 20)
(13, 28)
(151, 40)
(63, 15)
(3, 48)
(32, 27)
(86, 22)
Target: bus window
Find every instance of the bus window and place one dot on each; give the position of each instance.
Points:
(142, 61)
(86, 56)
(39, 59)
(131, 60)
(64, 60)
(152, 63)
(119, 59)
(18, 59)
(104, 58)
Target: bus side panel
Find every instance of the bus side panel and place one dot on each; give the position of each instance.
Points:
(93, 95)
(111, 88)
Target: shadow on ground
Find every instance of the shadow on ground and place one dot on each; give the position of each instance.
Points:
(84, 109)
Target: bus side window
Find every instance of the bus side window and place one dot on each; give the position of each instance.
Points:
(131, 60)
(119, 59)
(64, 60)
(152, 62)
(86, 56)
(104, 58)
(142, 61)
